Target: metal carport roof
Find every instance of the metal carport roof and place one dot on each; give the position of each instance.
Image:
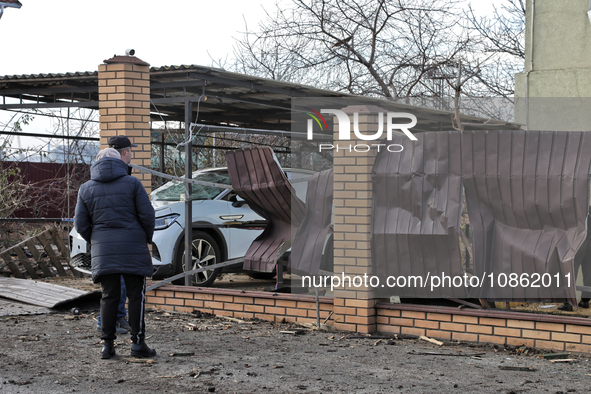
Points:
(225, 98)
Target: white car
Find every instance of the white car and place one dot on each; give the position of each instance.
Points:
(213, 242)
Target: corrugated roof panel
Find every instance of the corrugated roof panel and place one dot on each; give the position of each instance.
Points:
(528, 197)
(311, 236)
(417, 199)
(42, 294)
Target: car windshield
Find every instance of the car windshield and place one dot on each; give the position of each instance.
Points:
(173, 190)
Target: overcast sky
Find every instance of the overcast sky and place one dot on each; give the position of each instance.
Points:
(60, 36)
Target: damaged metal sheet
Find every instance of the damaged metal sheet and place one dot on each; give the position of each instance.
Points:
(312, 235)
(417, 200)
(47, 295)
(259, 180)
(528, 195)
(15, 308)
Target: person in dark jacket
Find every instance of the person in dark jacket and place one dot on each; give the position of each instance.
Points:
(114, 214)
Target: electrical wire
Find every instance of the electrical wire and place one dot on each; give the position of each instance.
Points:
(192, 125)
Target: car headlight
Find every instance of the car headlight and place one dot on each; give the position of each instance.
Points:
(165, 221)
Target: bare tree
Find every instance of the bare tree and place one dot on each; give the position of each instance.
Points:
(409, 50)
(502, 38)
(504, 30)
(70, 158)
(73, 155)
(378, 48)
(13, 190)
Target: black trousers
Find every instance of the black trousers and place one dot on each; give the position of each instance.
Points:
(136, 291)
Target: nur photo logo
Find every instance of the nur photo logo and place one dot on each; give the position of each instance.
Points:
(344, 134)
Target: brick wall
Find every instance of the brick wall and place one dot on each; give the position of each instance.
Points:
(543, 332)
(550, 332)
(353, 193)
(240, 304)
(124, 107)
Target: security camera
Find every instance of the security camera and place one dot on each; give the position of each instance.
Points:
(130, 52)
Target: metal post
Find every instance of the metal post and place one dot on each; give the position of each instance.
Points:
(317, 306)
(188, 191)
(162, 152)
(279, 275)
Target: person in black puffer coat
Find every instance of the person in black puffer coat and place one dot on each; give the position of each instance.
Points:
(114, 214)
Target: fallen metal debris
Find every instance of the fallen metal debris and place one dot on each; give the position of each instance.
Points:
(406, 336)
(551, 356)
(293, 332)
(514, 368)
(368, 337)
(12, 308)
(473, 355)
(47, 294)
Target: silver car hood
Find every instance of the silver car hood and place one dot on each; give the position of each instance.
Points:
(161, 206)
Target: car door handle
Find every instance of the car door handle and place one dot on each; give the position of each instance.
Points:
(231, 217)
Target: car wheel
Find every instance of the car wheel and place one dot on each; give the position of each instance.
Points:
(205, 251)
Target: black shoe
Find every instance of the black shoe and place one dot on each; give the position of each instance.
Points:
(119, 329)
(123, 325)
(108, 349)
(565, 307)
(584, 304)
(142, 350)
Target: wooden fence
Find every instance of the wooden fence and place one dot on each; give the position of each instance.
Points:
(44, 255)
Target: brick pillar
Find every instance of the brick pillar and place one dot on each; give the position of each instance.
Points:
(354, 306)
(124, 106)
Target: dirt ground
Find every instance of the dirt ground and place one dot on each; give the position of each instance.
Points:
(59, 353)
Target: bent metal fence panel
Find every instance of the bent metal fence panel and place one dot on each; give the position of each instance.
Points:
(528, 196)
(260, 181)
(417, 200)
(312, 235)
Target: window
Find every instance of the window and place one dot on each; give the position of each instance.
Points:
(173, 190)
